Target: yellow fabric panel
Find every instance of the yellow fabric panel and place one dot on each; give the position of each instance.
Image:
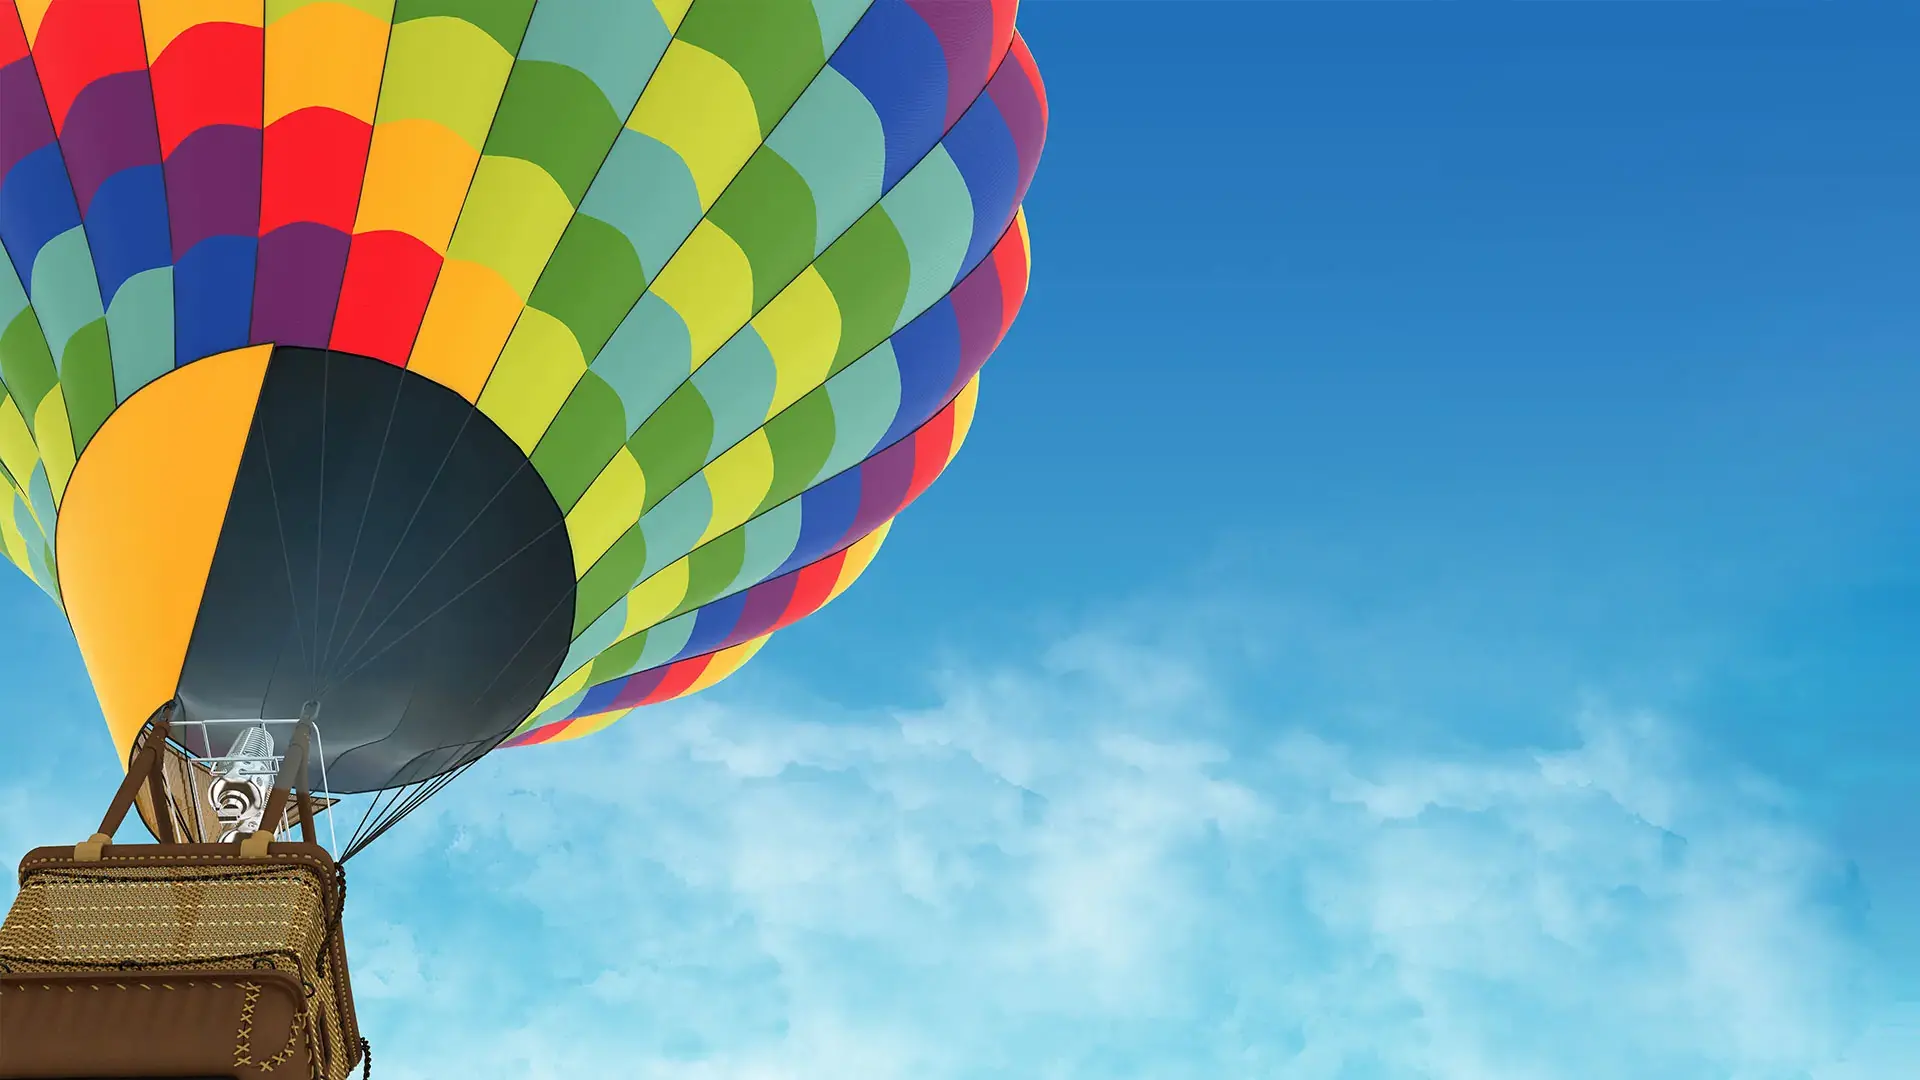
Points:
(963, 406)
(606, 510)
(536, 372)
(328, 55)
(445, 69)
(417, 175)
(698, 105)
(709, 284)
(589, 725)
(514, 216)
(10, 535)
(54, 434)
(163, 20)
(672, 11)
(568, 687)
(31, 13)
(725, 663)
(17, 449)
(656, 598)
(739, 481)
(801, 327)
(859, 557)
(139, 526)
(472, 312)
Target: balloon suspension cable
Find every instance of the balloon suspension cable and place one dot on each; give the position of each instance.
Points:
(239, 763)
(393, 805)
(229, 769)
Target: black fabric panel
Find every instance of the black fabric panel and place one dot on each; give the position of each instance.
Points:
(390, 554)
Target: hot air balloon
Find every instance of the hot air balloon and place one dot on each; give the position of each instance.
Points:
(465, 374)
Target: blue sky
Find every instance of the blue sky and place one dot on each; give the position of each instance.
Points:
(1427, 595)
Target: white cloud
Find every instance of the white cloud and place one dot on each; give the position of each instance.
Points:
(1054, 873)
(1092, 865)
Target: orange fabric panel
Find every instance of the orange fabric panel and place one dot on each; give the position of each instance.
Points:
(139, 524)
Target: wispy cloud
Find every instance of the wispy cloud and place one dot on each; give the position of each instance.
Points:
(1089, 865)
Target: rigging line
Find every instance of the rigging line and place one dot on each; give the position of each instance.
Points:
(425, 792)
(530, 680)
(401, 541)
(286, 557)
(398, 780)
(347, 753)
(266, 689)
(353, 553)
(566, 595)
(422, 790)
(445, 550)
(374, 815)
(454, 599)
(391, 795)
(419, 797)
(320, 515)
(365, 830)
(372, 807)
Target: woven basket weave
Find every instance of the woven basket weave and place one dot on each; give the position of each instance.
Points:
(176, 956)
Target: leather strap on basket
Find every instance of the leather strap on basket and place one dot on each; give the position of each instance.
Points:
(293, 770)
(145, 768)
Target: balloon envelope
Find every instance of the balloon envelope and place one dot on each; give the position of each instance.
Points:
(481, 371)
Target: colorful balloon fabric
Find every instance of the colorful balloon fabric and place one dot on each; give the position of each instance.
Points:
(482, 370)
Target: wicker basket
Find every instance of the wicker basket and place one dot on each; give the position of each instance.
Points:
(199, 960)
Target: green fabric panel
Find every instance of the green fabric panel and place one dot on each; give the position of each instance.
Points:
(590, 642)
(618, 657)
(835, 141)
(585, 435)
(801, 438)
(738, 385)
(713, 567)
(868, 271)
(771, 537)
(769, 212)
(609, 579)
(591, 282)
(866, 398)
(42, 491)
(65, 292)
(280, 9)
(505, 21)
(664, 642)
(86, 376)
(616, 43)
(16, 483)
(643, 360)
(675, 526)
(773, 44)
(645, 191)
(934, 213)
(837, 19)
(672, 444)
(26, 363)
(140, 328)
(45, 573)
(555, 117)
